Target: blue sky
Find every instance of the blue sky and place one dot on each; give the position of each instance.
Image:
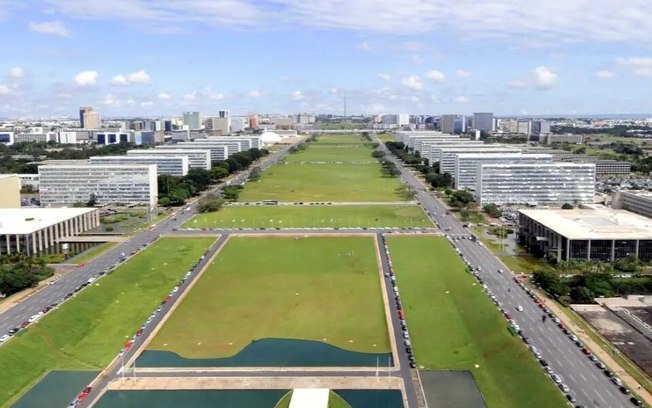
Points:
(162, 57)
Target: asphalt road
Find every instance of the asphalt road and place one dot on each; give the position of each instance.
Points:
(587, 382)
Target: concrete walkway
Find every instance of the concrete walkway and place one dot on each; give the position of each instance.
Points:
(310, 398)
(255, 383)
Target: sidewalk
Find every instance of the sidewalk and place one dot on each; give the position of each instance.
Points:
(598, 351)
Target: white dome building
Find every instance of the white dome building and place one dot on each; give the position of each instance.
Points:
(269, 138)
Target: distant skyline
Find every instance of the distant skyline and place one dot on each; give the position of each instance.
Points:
(153, 57)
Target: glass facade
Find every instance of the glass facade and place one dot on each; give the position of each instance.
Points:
(579, 249)
(601, 250)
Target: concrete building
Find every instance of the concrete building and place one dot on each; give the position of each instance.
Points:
(567, 138)
(197, 158)
(107, 138)
(248, 142)
(66, 185)
(239, 124)
(465, 174)
(35, 137)
(170, 165)
(444, 154)
(598, 234)
(218, 126)
(91, 120)
(193, 120)
(452, 124)
(31, 180)
(232, 146)
(7, 138)
(551, 184)
(540, 127)
(42, 230)
(82, 111)
(219, 151)
(10, 191)
(483, 121)
(639, 202)
(523, 127)
(422, 144)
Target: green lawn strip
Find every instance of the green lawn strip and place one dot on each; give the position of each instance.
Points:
(337, 153)
(628, 365)
(285, 401)
(93, 252)
(335, 401)
(340, 139)
(323, 182)
(454, 326)
(331, 216)
(297, 287)
(386, 137)
(88, 331)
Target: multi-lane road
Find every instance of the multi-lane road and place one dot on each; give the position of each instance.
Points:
(587, 382)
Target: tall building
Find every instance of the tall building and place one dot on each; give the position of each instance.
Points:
(218, 125)
(483, 121)
(197, 158)
(67, 185)
(83, 110)
(192, 119)
(446, 155)
(551, 184)
(466, 165)
(540, 127)
(10, 189)
(170, 165)
(219, 151)
(92, 120)
(453, 124)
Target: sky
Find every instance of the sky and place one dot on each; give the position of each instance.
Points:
(164, 57)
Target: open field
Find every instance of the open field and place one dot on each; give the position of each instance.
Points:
(332, 153)
(453, 325)
(323, 182)
(93, 252)
(341, 139)
(386, 137)
(88, 331)
(293, 287)
(333, 216)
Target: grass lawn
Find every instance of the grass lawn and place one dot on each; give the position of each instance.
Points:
(339, 216)
(323, 183)
(386, 137)
(332, 153)
(88, 331)
(93, 252)
(296, 287)
(453, 325)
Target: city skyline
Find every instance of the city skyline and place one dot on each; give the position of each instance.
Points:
(145, 58)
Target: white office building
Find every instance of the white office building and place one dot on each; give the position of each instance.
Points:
(639, 202)
(446, 155)
(250, 142)
(232, 146)
(197, 158)
(417, 142)
(219, 152)
(66, 185)
(466, 165)
(170, 165)
(552, 184)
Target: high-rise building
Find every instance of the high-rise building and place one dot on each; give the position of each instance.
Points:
(92, 120)
(192, 119)
(483, 121)
(218, 125)
(67, 185)
(535, 183)
(197, 158)
(83, 110)
(452, 124)
(170, 165)
(466, 165)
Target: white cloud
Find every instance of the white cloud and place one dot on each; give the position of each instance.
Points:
(110, 100)
(86, 78)
(164, 96)
(517, 83)
(334, 90)
(216, 96)
(435, 75)
(16, 72)
(640, 65)
(254, 94)
(365, 46)
(412, 82)
(4, 89)
(135, 78)
(461, 99)
(604, 74)
(119, 80)
(191, 96)
(461, 73)
(544, 78)
(51, 27)
(377, 108)
(297, 95)
(147, 103)
(385, 77)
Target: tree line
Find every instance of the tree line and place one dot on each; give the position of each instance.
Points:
(19, 271)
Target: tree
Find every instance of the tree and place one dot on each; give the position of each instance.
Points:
(460, 199)
(200, 178)
(218, 173)
(92, 200)
(210, 203)
(580, 150)
(567, 206)
(493, 210)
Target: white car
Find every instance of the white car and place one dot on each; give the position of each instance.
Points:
(519, 308)
(4, 338)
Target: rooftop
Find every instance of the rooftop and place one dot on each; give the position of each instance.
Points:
(15, 220)
(503, 155)
(599, 223)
